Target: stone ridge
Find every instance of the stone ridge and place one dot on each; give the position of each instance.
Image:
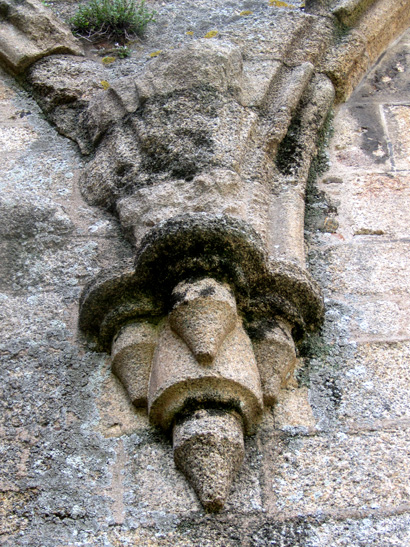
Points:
(28, 32)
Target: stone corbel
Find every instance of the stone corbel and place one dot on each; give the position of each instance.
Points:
(211, 347)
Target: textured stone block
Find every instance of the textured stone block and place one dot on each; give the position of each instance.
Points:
(378, 204)
(362, 470)
(375, 384)
(371, 267)
(380, 319)
(359, 142)
(370, 276)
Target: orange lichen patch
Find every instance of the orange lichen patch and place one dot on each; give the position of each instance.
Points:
(211, 34)
(376, 185)
(280, 4)
(190, 32)
(155, 53)
(246, 12)
(105, 85)
(108, 60)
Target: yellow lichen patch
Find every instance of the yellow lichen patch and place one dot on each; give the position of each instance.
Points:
(108, 60)
(280, 4)
(105, 85)
(155, 53)
(211, 34)
(246, 12)
(190, 32)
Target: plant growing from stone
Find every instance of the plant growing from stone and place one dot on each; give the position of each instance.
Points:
(122, 51)
(112, 19)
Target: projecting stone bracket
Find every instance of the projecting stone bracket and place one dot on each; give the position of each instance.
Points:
(201, 335)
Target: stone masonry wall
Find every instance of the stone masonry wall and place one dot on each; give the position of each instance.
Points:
(80, 466)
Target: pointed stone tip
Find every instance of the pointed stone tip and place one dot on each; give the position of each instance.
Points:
(209, 450)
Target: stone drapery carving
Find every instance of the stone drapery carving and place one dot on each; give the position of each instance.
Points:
(204, 155)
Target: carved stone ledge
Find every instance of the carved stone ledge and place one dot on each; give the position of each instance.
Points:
(204, 154)
(197, 246)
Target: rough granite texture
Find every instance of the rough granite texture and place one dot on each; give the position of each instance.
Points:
(80, 466)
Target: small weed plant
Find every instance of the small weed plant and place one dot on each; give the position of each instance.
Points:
(112, 19)
(122, 51)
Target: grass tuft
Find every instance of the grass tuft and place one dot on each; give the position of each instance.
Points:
(112, 19)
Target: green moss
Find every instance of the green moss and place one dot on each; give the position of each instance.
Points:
(320, 162)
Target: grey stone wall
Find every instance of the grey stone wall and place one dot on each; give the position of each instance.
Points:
(330, 464)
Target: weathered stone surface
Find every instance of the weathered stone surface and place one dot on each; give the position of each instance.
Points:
(374, 386)
(203, 314)
(117, 415)
(64, 86)
(343, 471)
(30, 31)
(209, 450)
(178, 382)
(377, 207)
(216, 63)
(220, 190)
(156, 491)
(54, 242)
(132, 353)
